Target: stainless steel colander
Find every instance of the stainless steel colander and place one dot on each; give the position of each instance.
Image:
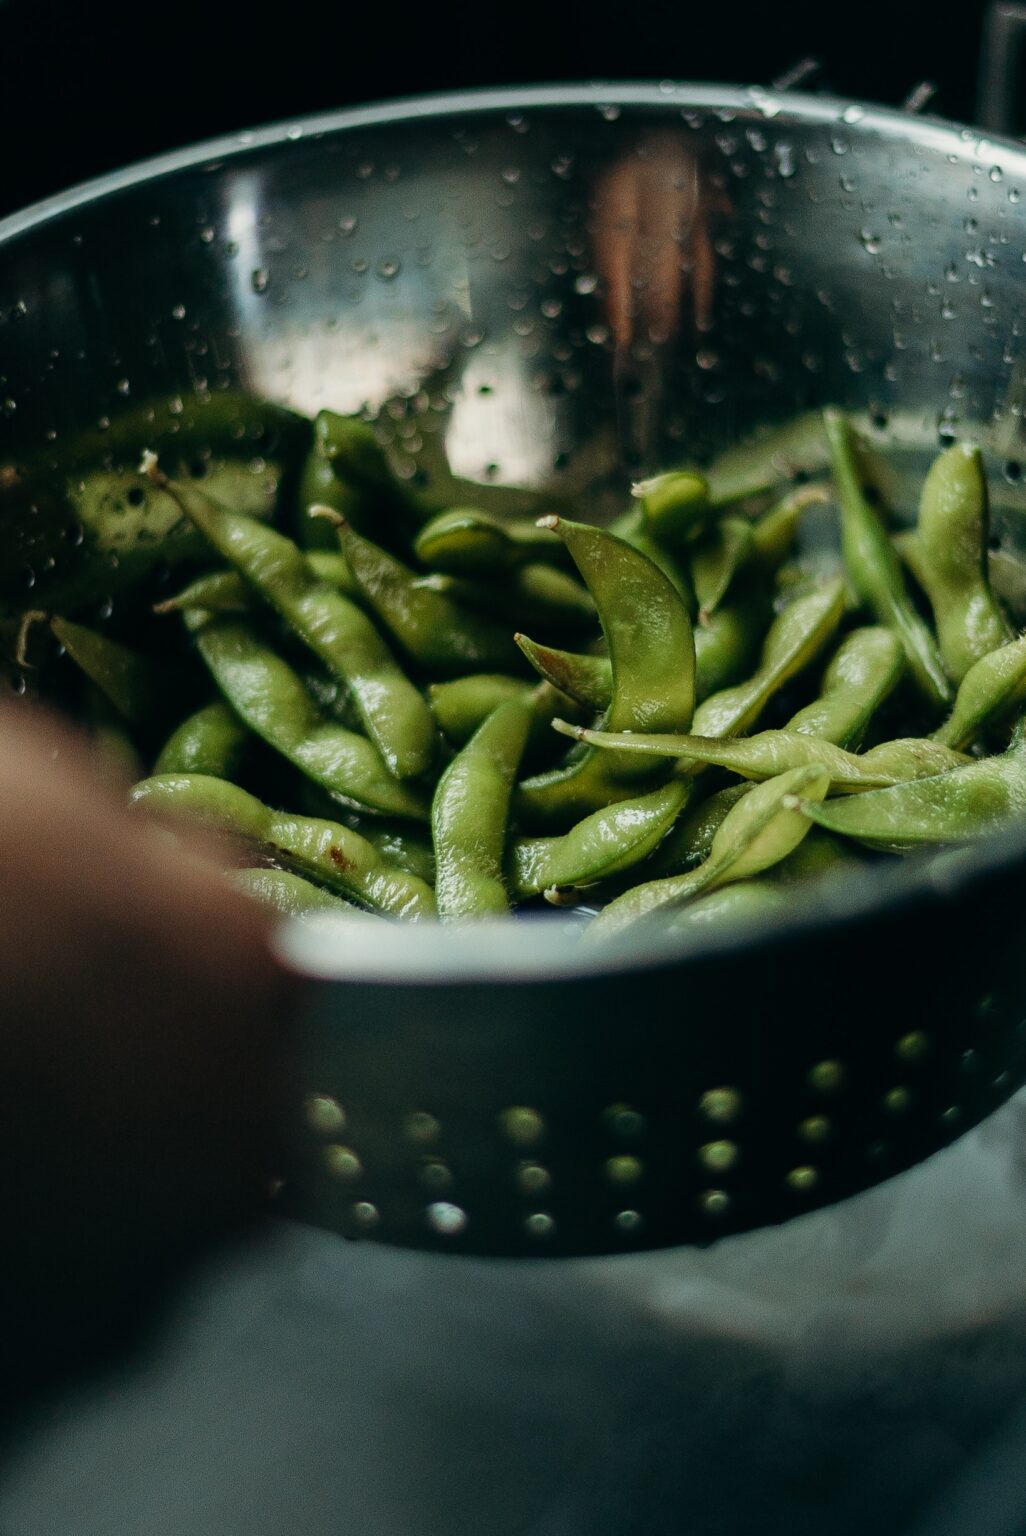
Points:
(543, 293)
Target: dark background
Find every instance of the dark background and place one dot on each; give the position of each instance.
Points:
(86, 87)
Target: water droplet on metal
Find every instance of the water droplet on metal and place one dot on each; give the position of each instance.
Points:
(260, 278)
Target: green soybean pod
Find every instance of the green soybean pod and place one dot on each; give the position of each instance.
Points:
(324, 851)
(727, 642)
(875, 570)
(721, 552)
(606, 843)
(819, 855)
(214, 592)
(434, 631)
(731, 906)
(774, 533)
(271, 700)
(320, 486)
(137, 686)
(992, 689)
(404, 844)
(467, 542)
(470, 812)
(289, 894)
(394, 713)
(651, 650)
(956, 807)
(691, 839)
(588, 679)
(725, 647)
(861, 675)
(770, 753)
(535, 593)
(348, 471)
(464, 703)
(796, 637)
(951, 553)
(211, 741)
(675, 505)
(759, 831)
(226, 592)
(866, 668)
(632, 527)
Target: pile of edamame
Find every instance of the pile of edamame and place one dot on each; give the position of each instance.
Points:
(385, 718)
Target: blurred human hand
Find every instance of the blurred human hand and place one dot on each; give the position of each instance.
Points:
(140, 1034)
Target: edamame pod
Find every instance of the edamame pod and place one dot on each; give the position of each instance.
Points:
(651, 651)
(690, 840)
(467, 542)
(956, 807)
(435, 632)
(288, 894)
(760, 830)
(818, 855)
(465, 703)
(719, 554)
(470, 812)
(992, 689)
(675, 505)
(770, 753)
(588, 679)
(394, 713)
(875, 571)
(632, 527)
(951, 559)
(462, 705)
(348, 471)
(535, 593)
(774, 533)
(405, 844)
(796, 637)
(731, 906)
(606, 843)
(325, 851)
(226, 592)
(136, 685)
(320, 486)
(725, 646)
(863, 672)
(862, 675)
(268, 696)
(212, 741)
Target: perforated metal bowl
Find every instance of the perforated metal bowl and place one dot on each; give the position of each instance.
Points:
(564, 287)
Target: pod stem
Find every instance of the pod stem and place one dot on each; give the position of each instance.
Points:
(29, 620)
